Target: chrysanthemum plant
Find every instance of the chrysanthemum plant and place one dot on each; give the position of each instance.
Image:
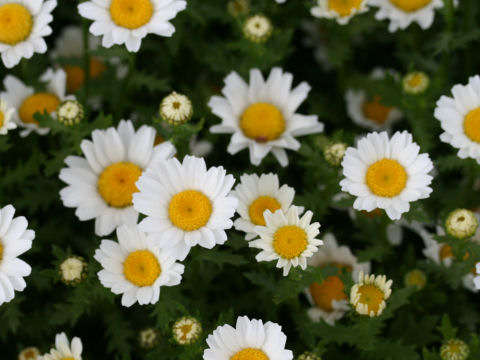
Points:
(223, 224)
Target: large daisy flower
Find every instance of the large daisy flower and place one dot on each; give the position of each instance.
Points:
(136, 268)
(129, 21)
(250, 339)
(460, 118)
(6, 116)
(186, 204)
(15, 239)
(101, 184)
(340, 10)
(328, 299)
(64, 349)
(369, 294)
(27, 102)
(261, 116)
(386, 173)
(23, 24)
(256, 194)
(368, 112)
(288, 238)
(402, 13)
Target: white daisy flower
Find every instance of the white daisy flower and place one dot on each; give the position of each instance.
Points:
(250, 339)
(402, 13)
(386, 173)
(261, 116)
(186, 204)
(69, 45)
(64, 350)
(29, 353)
(476, 279)
(371, 113)
(23, 25)
(136, 268)
(460, 118)
(186, 330)
(257, 28)
(176, 108)
(442, 253)
(287, 238)
(15, 239)
(101, 184)
(129, 21)
(328, 299)
(256, 194)
(415, 82)
(6, 116)
(28, 102)
(340, 10)
(368, 295)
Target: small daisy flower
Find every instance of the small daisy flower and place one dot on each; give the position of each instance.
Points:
(129, 21)
(402, 13)
(23, 25)
(186, 330)
(64, 350)
(135, 268)
(415, 278)
(335, 152)
(386, 173)
(15, 239)
(250, 339)
(415, 82)
(27, 102)
(340, 10)
(176, 109)
(287, 238)
(261, 116)
(6, 116)
(454, 349)
(461, 223)
(308, 356)
(257, 28)
(101, 185)
(73, 270)
(29, 353)
(368, 295)
(460, 118)
(328, 299)
(70, 112)
(256, 194)
(149, 338)
(185, 204)
(238, 8)
(69, 45)
(368, 112)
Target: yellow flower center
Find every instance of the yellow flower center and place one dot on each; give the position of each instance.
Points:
(344, 7)
(190, 210)
(446, 252)
(257, 207)
(249, 354)
(116, 184)
(39, 102)
(141, 268)
(416, 278)
(131, 14)
(1, 251)
(68, 358)
(410, 5)
(372, 296)
(471, 125)
(386, 178)
(2, 117)
(15, 23)
(375, 111)
(290, 241)
(76, 74)
(415, 80)
(185, 329)
(262, 122)
(332, 288)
